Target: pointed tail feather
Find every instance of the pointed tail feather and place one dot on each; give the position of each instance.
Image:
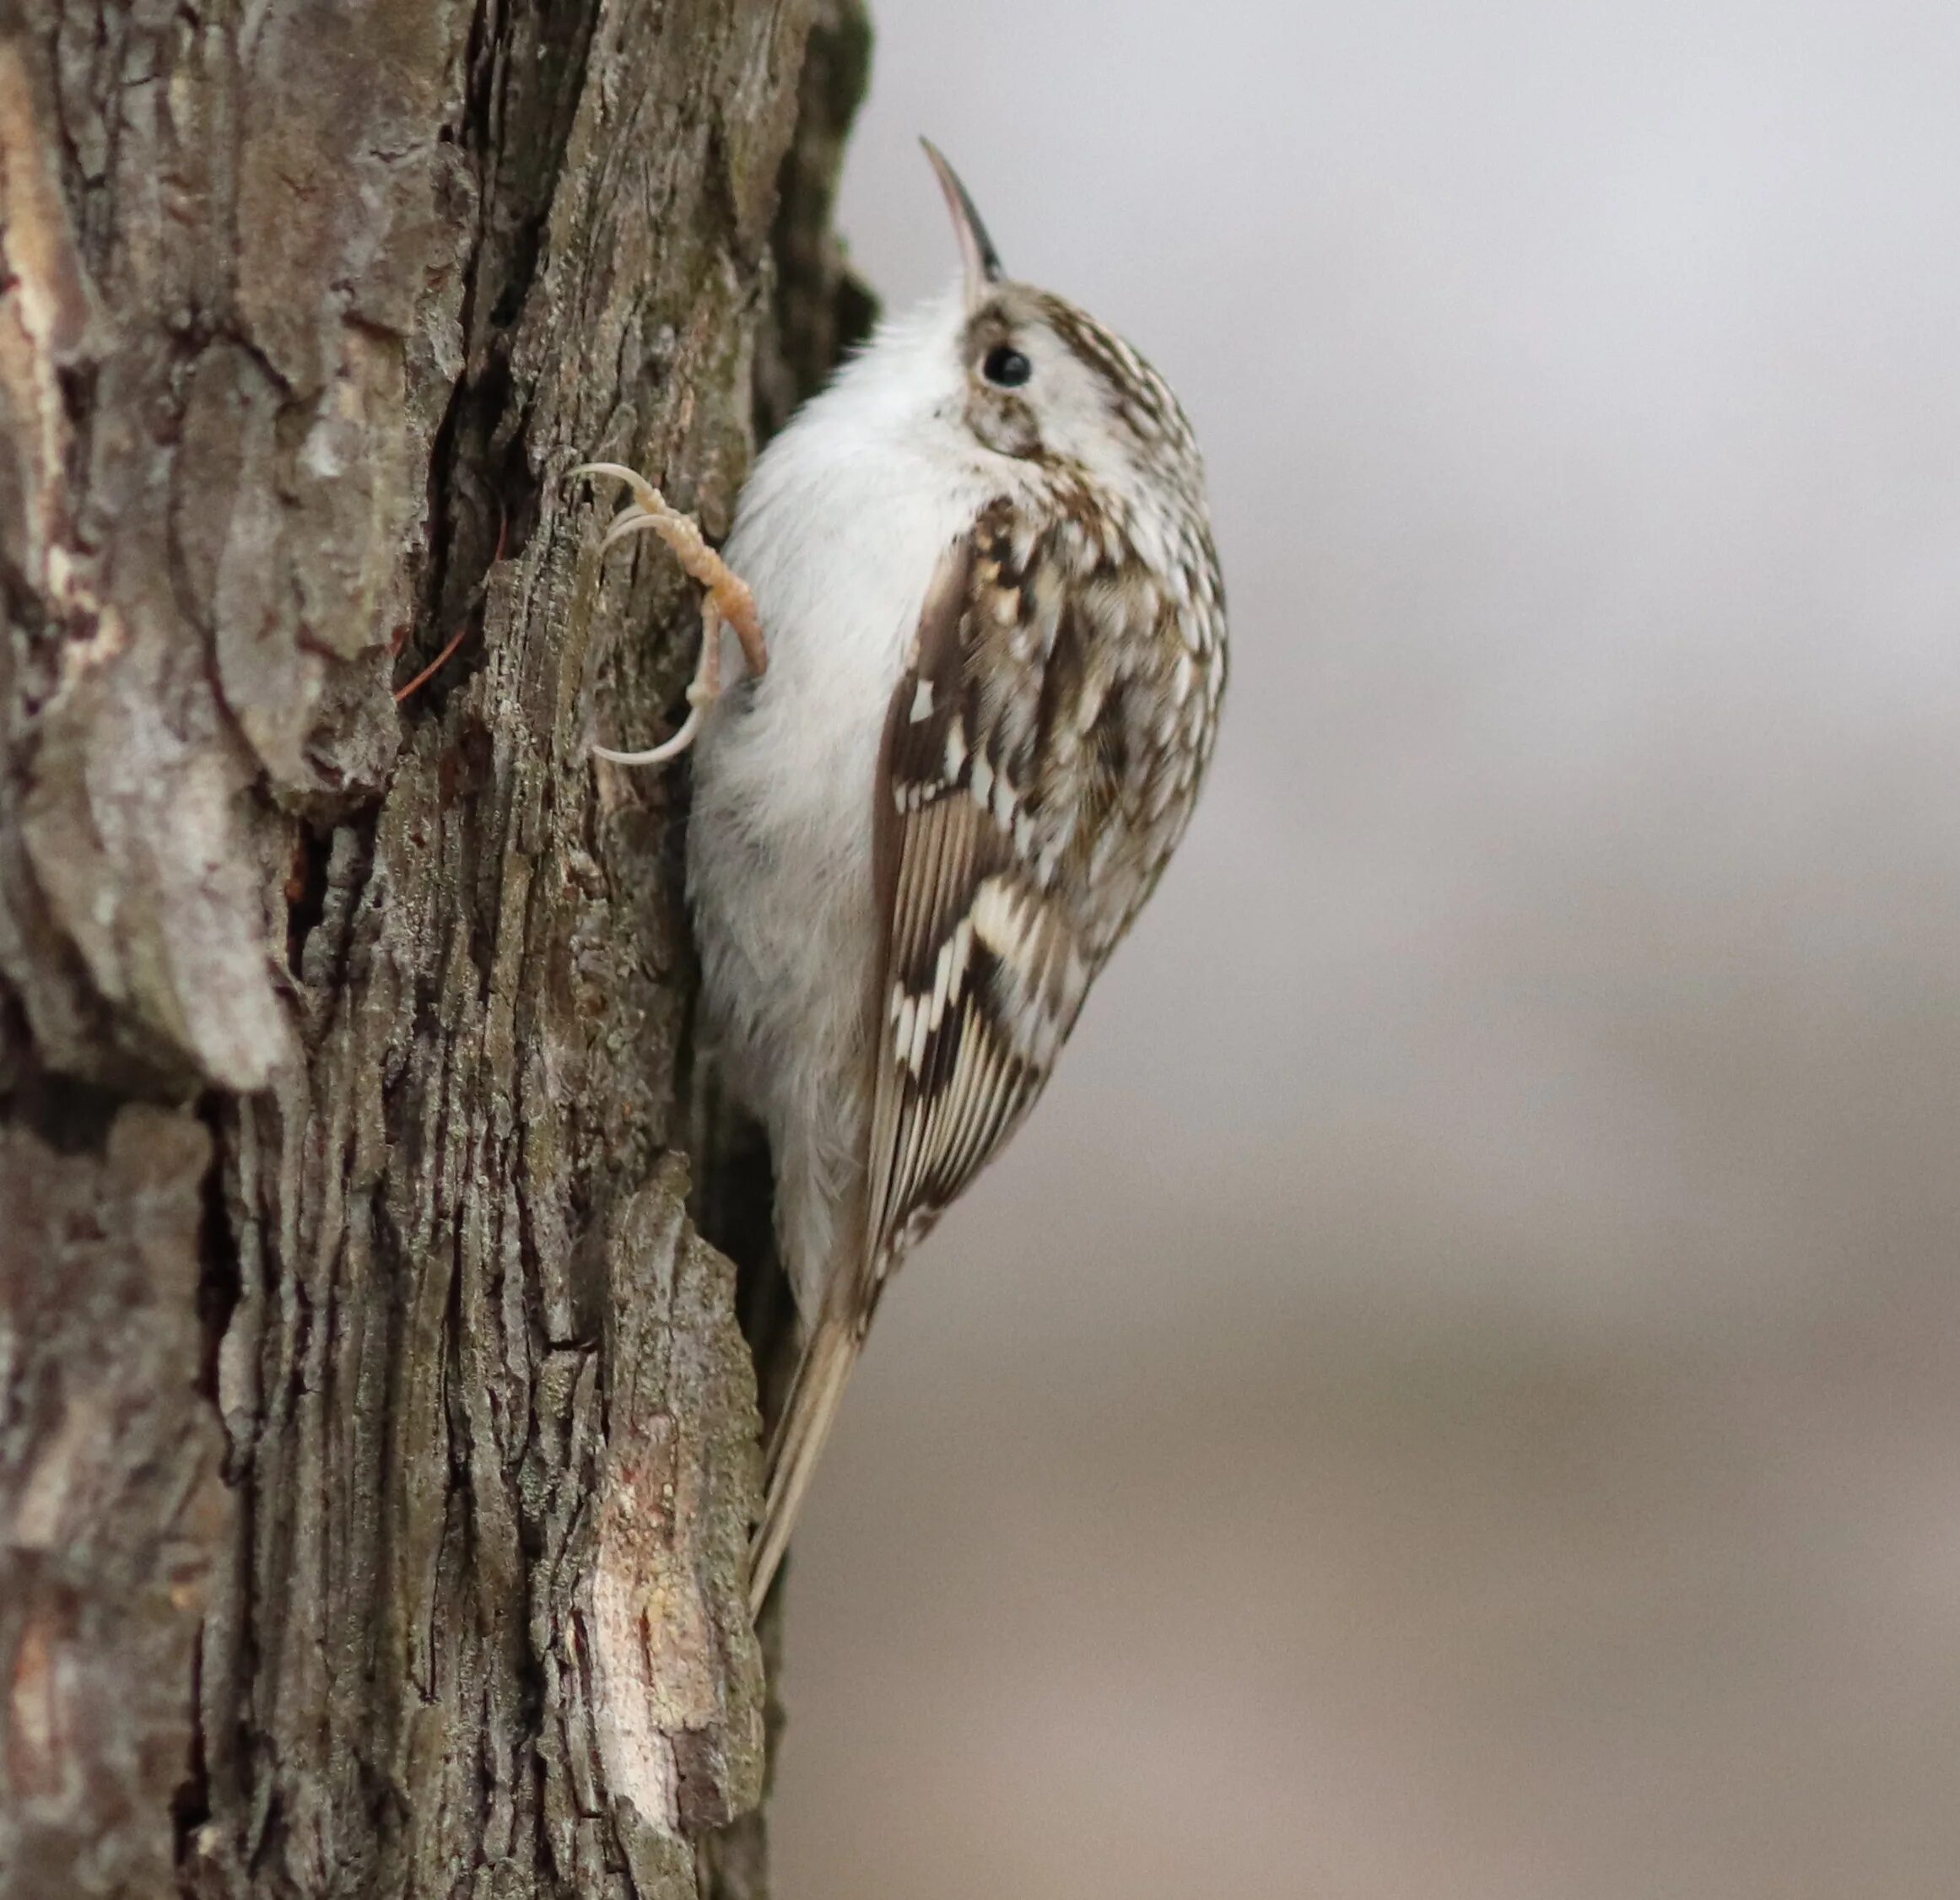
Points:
(821, 1373)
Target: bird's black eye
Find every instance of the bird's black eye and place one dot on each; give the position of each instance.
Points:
(1005, 365)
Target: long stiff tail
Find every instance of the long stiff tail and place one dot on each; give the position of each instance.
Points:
(816, 1390)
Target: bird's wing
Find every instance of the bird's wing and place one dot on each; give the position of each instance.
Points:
(1023, 812)
(983, 971)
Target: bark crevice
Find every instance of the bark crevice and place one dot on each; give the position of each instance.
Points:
(371, 1403)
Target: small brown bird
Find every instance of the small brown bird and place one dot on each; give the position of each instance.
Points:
(995, 634)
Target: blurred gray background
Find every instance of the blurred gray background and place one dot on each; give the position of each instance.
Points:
(1456, 1392)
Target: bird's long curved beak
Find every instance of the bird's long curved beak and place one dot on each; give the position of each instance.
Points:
(977, 255)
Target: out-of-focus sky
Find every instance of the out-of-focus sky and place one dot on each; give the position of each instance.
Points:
(1456, 1391)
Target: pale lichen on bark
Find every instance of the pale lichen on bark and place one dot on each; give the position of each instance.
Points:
(356, 1030)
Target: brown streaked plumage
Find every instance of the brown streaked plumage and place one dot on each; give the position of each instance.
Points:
(997, 635)
(1042, 753)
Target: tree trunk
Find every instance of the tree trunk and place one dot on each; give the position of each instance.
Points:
(379, 1443)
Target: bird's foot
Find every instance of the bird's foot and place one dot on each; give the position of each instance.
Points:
(726, 599)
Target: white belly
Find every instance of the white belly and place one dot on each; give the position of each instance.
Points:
(838, 540)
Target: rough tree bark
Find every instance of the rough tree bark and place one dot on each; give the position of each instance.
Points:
(378, 1443)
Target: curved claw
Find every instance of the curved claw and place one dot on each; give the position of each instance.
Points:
(644, 492)
(629, 521)
(660, 754)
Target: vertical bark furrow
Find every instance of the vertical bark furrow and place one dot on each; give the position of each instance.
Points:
(110, 1497)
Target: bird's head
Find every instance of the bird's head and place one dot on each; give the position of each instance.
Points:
(1039, 379)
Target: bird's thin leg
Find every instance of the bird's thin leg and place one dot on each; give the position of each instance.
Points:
(726, 599)
(705, 690)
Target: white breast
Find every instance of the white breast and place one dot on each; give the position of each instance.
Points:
(838, 534)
